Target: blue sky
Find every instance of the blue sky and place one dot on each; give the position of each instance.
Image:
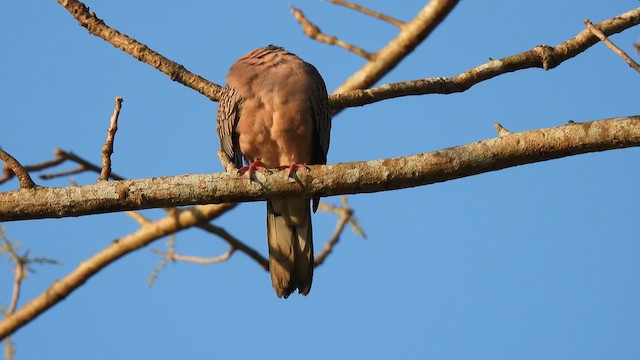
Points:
(537, 261)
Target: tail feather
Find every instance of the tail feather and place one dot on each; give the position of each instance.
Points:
(290, 238)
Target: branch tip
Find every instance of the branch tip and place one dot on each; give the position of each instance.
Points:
(501, 130)
(312, 31)
(393, 21)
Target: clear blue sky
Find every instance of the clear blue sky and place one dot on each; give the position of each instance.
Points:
(533, 262)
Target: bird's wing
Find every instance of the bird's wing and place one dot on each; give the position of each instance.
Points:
(226, 119)
(321, 117)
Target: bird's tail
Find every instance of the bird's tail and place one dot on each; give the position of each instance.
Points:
(290, 245)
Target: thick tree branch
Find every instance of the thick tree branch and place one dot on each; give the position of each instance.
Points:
(175, 71)
(545, 57)
(344, 178)
(176, 221)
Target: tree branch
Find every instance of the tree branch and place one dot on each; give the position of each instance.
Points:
(545, 57)
(107, 149)
(411, 35)
(391, 20)
(312, 31)
(175, 71)
(634, 65)
(236, 244)
(177, 221)
(23, 175)
(325, 180)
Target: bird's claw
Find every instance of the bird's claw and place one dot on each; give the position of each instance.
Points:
(292, 168)
(256, 165)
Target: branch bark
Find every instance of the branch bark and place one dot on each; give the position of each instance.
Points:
(325, 180)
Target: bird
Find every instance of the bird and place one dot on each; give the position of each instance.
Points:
(274, 113)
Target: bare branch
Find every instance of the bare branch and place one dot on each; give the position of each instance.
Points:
(107, 149)
(325, 180)
(545, 57)
(172, 256)
(236, 244)
(139, 218)
(117, 249)
(8, 174)
(17, 169)
(314, 32)
(634, 65)
(393, 21)
(175, 71)
(85, 165)
(78, 170)
(345, 214)
(17, 284)
(411, 35)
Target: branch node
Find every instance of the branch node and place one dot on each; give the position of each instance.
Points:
(546, 54)
(501, 130)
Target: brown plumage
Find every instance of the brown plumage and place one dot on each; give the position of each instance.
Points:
(275, 108)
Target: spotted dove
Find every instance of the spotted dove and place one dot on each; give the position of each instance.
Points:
(274, 111)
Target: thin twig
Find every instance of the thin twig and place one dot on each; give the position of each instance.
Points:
(78, 170)
(335, 237)
(107, 149)
(235, 243)
(312, 31)
(17, 284)
(85, 165)
(391, 20)
(634, 65)
(345, 216)
(139, 218)
(18, 170)
(172, 256)
(8, 174)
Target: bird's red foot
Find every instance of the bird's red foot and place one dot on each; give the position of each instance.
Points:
(256, 165)
(293, 168)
